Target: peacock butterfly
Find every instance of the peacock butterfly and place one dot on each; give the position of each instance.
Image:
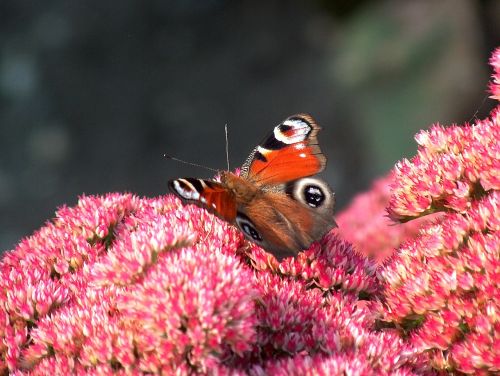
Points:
(275, 201)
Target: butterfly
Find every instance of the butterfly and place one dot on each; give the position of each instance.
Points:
(275, 201)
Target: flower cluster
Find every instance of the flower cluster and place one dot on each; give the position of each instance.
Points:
(453, 166)
(316, 315)
(120, 285)
(371, 355)
(366, 225)
(495, 83)
(302, 329)
(442, 289)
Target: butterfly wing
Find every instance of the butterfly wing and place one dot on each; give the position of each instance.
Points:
(289, 152)
(287, 222)
(207, 194)
(295, 208)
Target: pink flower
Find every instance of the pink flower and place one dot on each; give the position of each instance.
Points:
(109, 287)
(442, 287)
(332, 265)
(300, 329)
(366, 225)
(369, 354)
(195, 305)
(495, 84)
(132, 285)
(452, 167)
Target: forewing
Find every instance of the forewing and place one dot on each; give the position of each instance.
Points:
(208, 194)
(289, 152)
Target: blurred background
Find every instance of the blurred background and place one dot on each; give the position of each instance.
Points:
(93, 93)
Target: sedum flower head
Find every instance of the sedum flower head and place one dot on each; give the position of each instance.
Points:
(366, 225)
(316, 315)
(442, 287)
(495, 82)
(453, 167)
(124, 285)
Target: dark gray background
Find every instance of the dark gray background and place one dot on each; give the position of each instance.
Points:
(93, 93)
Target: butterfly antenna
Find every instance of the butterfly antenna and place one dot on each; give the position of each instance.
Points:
(477, 111)
(227, 147)
(189, 163)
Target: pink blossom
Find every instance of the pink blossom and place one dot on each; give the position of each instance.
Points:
(442, 287)
(108, 285)
(370, 354)
(332, 264)
(366, 225)
(303, 329)
(196, 305)
(129, 285)
(452, 167)
(495, 82)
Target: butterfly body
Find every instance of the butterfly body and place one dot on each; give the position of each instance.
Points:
(274, 201)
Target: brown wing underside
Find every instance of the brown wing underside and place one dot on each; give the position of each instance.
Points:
(286, 225)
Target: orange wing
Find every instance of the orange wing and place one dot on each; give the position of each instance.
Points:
(289, 152)
(207, 194)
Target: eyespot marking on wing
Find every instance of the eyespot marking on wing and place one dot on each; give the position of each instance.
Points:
(312, 192)
(292, 131)
(248, 228)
